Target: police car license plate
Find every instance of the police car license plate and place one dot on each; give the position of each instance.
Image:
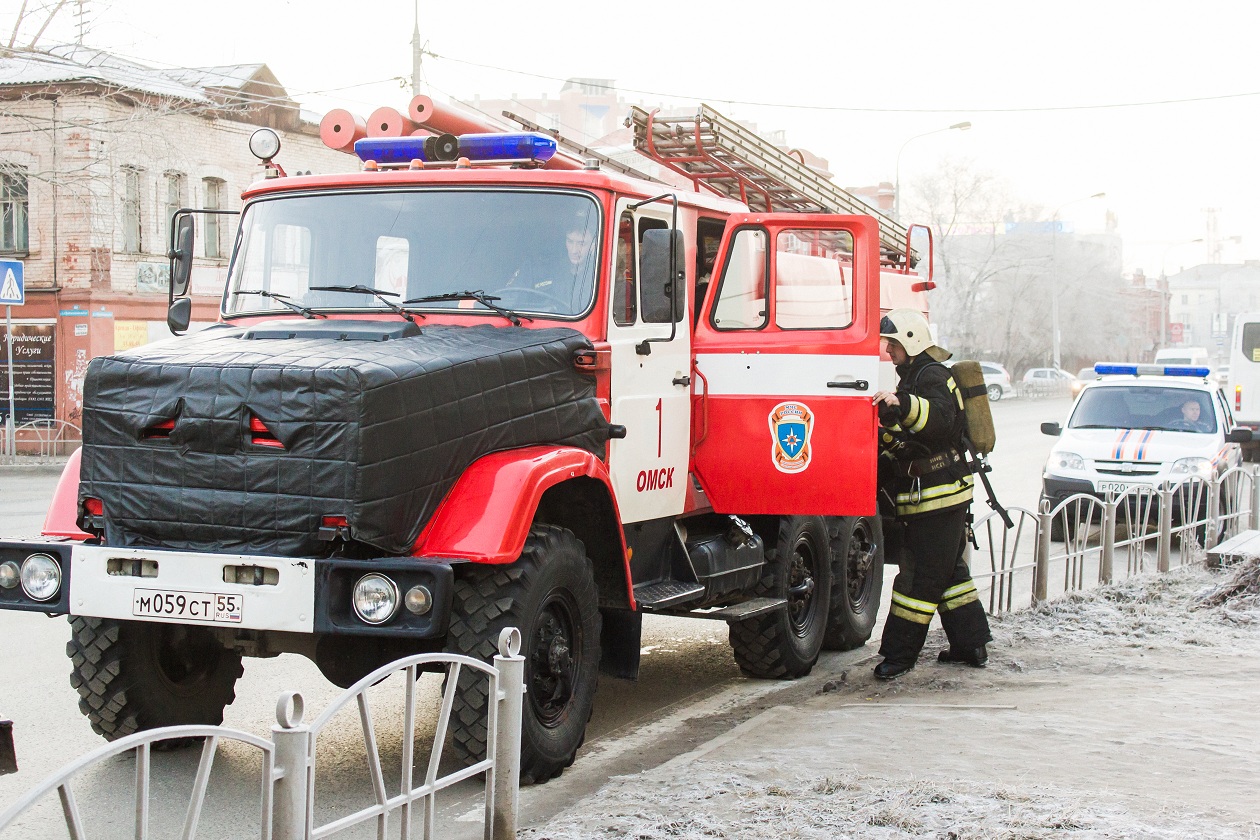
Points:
(194, 606)
(1114, 488)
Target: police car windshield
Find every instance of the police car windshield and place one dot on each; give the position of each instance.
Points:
(1143, 407)
(535, 251)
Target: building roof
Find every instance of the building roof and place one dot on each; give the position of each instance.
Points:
(74, 63)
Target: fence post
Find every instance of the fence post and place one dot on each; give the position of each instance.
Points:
(1165, 526)
(1213, 512)
(507, 752)
(1041, 571)
(1254, 522)
(290, 792)
(1105, 563)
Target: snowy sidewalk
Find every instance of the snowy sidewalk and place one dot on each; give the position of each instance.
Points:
(1122, 712)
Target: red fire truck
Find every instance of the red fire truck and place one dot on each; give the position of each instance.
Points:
(492, 379)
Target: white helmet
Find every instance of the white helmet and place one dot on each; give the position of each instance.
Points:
(908, 328)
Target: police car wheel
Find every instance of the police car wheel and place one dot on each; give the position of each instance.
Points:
(134, 675)
(995, 393)
(785, 644)
(549, 594)
(857, 578)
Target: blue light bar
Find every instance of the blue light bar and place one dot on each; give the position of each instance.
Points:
(1150, 370)
(476, 147)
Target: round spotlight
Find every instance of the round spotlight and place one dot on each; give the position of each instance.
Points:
(41, 577)
(375, 598)
(419, 600)
(10, 574)
(264, 144)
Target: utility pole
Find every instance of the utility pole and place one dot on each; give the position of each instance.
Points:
(417, 55)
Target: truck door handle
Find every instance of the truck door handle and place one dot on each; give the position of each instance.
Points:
(855, 384)
(682, 380)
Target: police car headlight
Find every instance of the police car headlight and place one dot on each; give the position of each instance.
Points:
(1067, 461)
(41, 577)
(1197, 467)
(375, 598)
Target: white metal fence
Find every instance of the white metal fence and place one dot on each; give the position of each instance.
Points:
(1085, 541)
(286, 804)
(39, 441)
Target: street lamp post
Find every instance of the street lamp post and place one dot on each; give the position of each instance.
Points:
(1163, 292)
(1054, 290)
(962, 126)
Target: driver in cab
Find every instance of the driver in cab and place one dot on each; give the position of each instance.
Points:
(559, 282)
(1191, 418)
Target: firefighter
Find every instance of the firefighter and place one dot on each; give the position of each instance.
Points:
(926, 484)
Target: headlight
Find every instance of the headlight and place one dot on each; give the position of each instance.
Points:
(1067, 461)
(9, 574)
(419, 600)
(1200, 467)
(41, 577)
(375, 598)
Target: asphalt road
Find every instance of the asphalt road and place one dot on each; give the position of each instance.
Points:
(687, 674)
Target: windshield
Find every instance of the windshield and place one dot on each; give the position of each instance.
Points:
(1167, 409)
(536, 251)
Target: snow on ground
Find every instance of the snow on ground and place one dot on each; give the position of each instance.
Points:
(1145, 729)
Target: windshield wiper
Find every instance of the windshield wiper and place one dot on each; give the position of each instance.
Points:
(305, 312)
(480, 296)
(1096, 426)
(383, 297)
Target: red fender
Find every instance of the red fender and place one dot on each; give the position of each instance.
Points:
(485, 517)
(63, 514)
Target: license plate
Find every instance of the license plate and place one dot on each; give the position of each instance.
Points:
(194, 606)
(1115, 487)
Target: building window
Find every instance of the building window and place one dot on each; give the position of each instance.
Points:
(13, 209)
(174, 201)
(132, 230)
(214, 201)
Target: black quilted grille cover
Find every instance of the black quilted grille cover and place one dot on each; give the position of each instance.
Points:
(377, 431)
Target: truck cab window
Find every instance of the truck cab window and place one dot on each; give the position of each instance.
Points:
(741, 301)
(625, 290)
(811, 289)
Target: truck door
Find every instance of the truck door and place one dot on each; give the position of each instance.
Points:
(650, 394)
(786, 362)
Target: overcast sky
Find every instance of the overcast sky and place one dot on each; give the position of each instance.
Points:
(1052, 90)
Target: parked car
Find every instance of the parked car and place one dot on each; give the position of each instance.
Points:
(1046, 382)
(1140, 429)
(1082, 376)
(997, 381)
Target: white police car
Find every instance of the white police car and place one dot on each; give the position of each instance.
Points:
(1141, 425)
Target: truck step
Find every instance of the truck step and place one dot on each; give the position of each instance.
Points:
(746, 609)
(666, 593)
(1239, 547)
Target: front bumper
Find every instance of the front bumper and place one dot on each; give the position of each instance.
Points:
(285, 594)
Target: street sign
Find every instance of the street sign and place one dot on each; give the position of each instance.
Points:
(1176, 332)
(12, 285)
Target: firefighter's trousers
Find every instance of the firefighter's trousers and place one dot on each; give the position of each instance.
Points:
(934, 577)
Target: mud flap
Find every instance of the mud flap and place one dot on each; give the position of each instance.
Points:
(622, 638)
(8, 755)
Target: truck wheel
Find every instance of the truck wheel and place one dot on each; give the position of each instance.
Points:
(857, 579)
(785, 644)
(133, 675)
(550, 595)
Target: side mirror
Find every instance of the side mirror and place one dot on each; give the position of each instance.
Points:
(182, 256)
(1052, 429)
(179, 315)
(1239, 436)
(657, 286)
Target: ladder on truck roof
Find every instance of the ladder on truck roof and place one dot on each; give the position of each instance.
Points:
(730, 160)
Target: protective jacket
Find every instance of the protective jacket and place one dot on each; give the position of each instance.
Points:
(922, 468)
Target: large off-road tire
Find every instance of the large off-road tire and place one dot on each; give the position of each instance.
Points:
(785, 644)
(857, 580)
(550, 595)
(134, 675)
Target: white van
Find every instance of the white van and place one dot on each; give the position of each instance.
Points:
(1243, 389)
(1188, 356)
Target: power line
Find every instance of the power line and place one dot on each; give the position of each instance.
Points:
(856, 109)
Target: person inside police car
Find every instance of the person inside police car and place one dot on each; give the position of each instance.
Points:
(1192, 417)
(926, 485)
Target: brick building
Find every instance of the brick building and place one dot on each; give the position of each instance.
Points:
(96, 152)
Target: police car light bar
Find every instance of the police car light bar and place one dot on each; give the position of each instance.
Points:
(523, 146)
(1150, 370)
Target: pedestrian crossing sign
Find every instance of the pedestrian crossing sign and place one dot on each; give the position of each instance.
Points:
(12, 286)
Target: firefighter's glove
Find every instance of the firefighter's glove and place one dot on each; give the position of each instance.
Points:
(889, 415)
